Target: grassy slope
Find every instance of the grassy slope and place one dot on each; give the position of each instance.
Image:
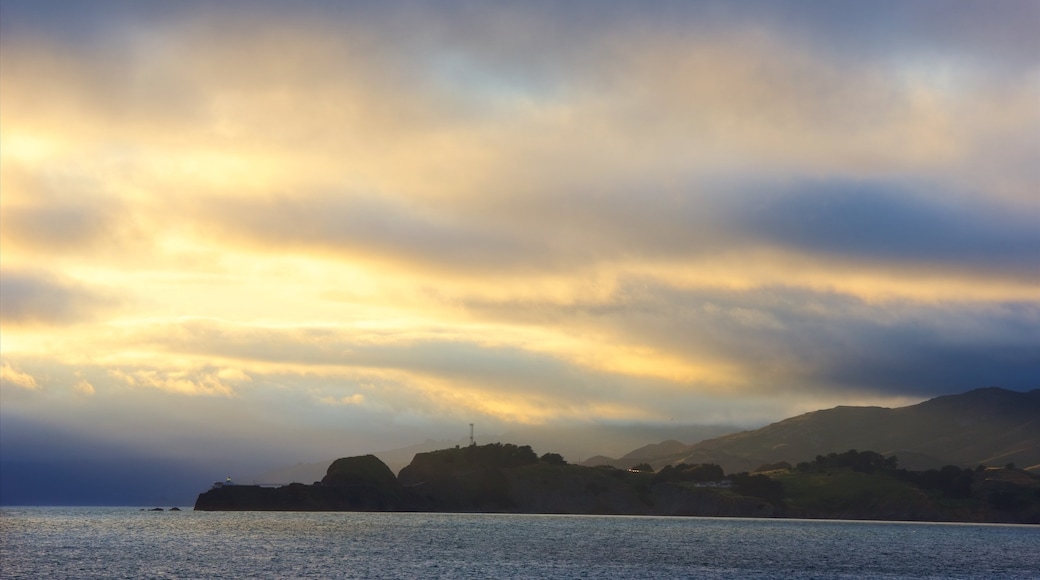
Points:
(990, 426)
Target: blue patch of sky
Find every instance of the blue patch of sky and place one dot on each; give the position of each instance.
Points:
(488, 85)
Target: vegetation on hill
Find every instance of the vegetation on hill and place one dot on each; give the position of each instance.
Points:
(853, 483)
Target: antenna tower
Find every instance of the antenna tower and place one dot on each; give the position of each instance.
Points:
(471, 441)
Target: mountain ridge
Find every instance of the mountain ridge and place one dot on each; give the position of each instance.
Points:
(987, 426)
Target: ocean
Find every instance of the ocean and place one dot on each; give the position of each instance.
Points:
(55, 543)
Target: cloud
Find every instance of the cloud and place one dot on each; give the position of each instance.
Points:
(53, 227)
(67, 211)
(379, 221)
(12, 376)
(434, 371)
(203, 381)
(83, 387)
(377, 227)
(28, 298)
(892, 27)
(928, 366)
(881, 222)
(355, 399)
(786, 339)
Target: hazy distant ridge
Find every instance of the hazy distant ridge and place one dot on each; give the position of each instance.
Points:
(990, 426)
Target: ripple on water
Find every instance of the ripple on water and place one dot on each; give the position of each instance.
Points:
(127, 543)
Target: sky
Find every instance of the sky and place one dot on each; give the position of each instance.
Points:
(310, 229)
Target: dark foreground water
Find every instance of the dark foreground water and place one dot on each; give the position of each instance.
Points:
(127, 543)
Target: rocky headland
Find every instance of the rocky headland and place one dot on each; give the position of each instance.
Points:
(506, 478)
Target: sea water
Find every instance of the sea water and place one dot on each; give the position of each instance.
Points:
(128, 543)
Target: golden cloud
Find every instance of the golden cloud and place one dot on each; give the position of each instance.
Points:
(12, 376)
(196, 382)
(331, 204)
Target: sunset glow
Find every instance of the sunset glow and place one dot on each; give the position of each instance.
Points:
(283, 222)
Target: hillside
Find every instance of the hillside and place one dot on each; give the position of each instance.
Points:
(989, 426)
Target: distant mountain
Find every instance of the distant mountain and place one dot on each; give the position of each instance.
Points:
(578, 442)
(990, 426)
(644, 454)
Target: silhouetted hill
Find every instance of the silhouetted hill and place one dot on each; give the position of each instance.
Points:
(513, 479)
(989, 426)
(364, 470)
(575, 443)
(486, 478)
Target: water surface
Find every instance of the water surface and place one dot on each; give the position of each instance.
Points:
(128, 543)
